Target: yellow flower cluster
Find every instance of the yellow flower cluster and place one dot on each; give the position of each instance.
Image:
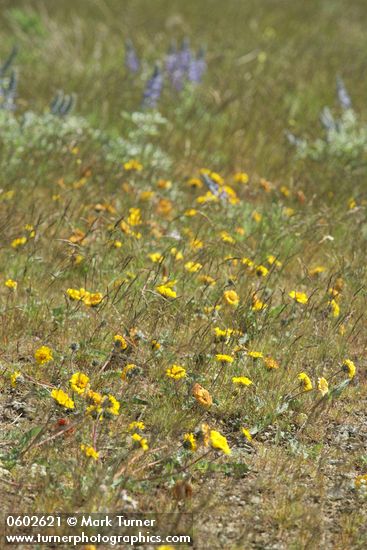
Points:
(166, 289)
(89, 451)
(90, 299)
(133, 165)
(176, 372)
(62, 399)
(79, 382)
(11, 284)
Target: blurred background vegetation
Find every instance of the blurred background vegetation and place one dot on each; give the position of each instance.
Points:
(272, 66)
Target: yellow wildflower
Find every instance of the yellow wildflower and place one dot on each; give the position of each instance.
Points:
(241, 177)
(133, 165)
(125, 228)
(193, 267)
(217, 178)
(256, 216)
(195, 183)
(20, 241)
(305, 381)
(289, 212)
(261, 270)
(77, 259)
(248, 263)
(226, 237)
(166, 291)
(191, 212)
(62, 399)
(196, 244)
(134, 217)
(231, 297)
(247, 434)
(231, 194)
(241, 380)
(349, 367)
(257, 304)
(89, 451)
(222, 358)
(92, 299)
(272, 260)
(137, 438)
(299, 297)
(136, 425)
(190, 441)
(223, 334)
(79, 382)
(156, 257)
(11, 284)
(146, 195)
(207, 280)
(14, 377)
(94, 397)
(361, 481)
(323, 386)
(176, 372)
(352, 203)
(126, 370)
(176, 254)
(74, 294)
(111, 405)
(208, 197)
(314, 271)
(43, 355)
(335, 308)
(271, 363)
(120, 341)
(218, 441)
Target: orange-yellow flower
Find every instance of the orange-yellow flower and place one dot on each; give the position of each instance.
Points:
(202, 395)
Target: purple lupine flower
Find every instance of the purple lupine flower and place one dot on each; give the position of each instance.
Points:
(185, 55)
(153, 89)
(174, 68)
(177, 79)
(197, 67)
(171, 59)
(131, 57)
(343, 96)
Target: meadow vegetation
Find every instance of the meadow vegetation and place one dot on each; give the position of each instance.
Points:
(182, 252)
